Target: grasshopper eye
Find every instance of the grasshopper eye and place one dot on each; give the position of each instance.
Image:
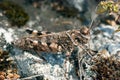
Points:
(84, 31)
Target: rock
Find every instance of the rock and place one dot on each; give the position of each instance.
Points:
(114, 48)
(116, 36)
(105, 37)
(31, 64)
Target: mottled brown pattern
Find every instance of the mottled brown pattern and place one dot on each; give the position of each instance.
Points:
(54, 42)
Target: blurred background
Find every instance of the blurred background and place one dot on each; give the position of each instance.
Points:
(52, 15)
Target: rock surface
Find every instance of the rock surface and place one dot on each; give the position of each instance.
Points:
(30, 65)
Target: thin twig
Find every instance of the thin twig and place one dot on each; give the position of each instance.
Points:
(79, 56)
(71, 38)
(90, 28)
(79, 62)
(94, 17)
(31, 77)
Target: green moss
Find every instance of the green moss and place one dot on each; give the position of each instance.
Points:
(15, 13)
(107, 6)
